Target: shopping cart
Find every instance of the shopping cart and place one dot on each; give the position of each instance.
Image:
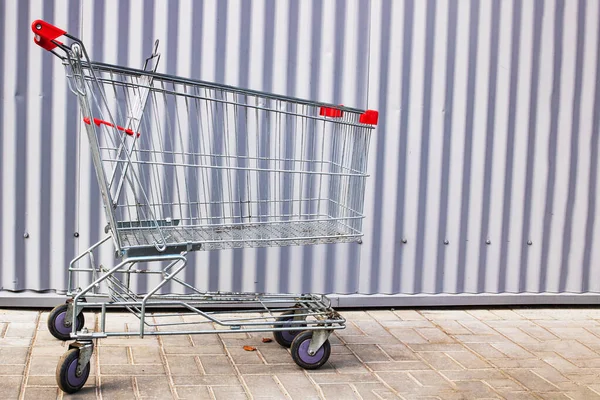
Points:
(185, 165)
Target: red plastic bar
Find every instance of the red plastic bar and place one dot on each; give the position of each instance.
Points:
(46, 34)
(99, 122)
(370, 117)
(330, 112)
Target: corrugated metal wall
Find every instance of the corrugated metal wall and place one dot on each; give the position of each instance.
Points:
(484, 165)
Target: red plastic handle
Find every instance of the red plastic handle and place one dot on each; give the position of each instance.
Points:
(99, 122)
(45, 34)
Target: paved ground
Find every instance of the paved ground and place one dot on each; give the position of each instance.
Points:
(449, 354)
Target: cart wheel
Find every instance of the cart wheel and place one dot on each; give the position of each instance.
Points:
(285, 338)
(300, 352)
(66, 372)
(56, 322)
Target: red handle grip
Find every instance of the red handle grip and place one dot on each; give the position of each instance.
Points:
(99, 122)
(45, 34)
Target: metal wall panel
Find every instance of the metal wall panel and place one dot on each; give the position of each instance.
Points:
(484, 164)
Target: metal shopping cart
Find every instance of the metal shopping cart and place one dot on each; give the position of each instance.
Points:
(185, 165)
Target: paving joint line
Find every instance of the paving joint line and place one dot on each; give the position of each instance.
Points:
(29, 357)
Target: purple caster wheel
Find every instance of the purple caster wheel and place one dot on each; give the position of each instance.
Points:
(303, 358)
(56, 323)
(66, 372)
(285, 338)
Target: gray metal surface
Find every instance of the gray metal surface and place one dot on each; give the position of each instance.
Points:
(488, 139)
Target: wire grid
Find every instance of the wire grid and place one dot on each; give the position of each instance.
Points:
(222, 166)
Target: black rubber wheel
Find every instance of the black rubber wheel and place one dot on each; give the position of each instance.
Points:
(66, 372)
(56, 322)
(285, 338)
(300, 352)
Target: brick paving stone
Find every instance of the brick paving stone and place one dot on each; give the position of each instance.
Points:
(552, 396)
(335, 377)
(531, 380)
(155, 387)
(434, 335)
(477, 327)
(445, 347)
(229, 392)
(263, 386)
(398, 352)
(484, 315)
(383, 315)
(469, 360)
(117, 387)
(422, 323)
(536, 313)
(43, 365)
(369, 352)
(18, 316)
(516, 395)
(399, 381)
(264, 369)
(398, 366)
(20, 330)
(372, 328)
(513, 350)
(113, 355)
(10, 387)
(430, 378)
(241, 356)
(583, 393)
(176, 341)
(412, 315)
(275, 354)
(408, 335)
(506, 314)
(495, 338)
(339, 392)
(205, 339)
(440, 361)
(374, 391)
(517, 363)
(348, 364)
(205, 380)
(457, 315)
(453, 327)
(517, 335)
(129, 341)
(193, 392)
(146, 355)
(298, 386)
(486, 350)
(357, 316)
(35, 393)
(13, 355)
(349, 330)
(476, 389)
(580, 334)
(340, 349)
(570, 349)
(142, 369)
(209, 349)
(183, 365)
(15, 342)
(219, 365)
(11, 369)
(474, 375)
